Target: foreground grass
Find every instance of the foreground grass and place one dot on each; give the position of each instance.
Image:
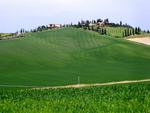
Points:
(133, 98)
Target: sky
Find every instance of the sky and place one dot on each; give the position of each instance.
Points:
(28, 14)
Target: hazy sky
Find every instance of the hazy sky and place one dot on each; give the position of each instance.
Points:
(16, 14)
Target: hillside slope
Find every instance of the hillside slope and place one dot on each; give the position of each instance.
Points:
(58, 57)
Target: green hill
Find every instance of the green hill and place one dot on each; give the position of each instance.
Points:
(58, 57)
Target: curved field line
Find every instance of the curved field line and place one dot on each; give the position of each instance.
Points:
(78, 85)
(96, 84)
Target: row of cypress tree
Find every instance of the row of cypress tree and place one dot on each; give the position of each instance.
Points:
(133, 31)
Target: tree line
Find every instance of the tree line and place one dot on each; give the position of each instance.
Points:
(98, 25)
(132, 31)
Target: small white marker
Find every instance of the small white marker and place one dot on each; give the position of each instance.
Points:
(79, 80)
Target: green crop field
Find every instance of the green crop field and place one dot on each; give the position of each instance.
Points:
(58, 57)
(4, 34)
(116, 31)
(133, 98)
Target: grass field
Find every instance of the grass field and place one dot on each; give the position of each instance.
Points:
(4, 34)
(133, 98)
(58, 57)
(116, 31)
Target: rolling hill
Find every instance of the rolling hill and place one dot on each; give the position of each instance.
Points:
(57, 57)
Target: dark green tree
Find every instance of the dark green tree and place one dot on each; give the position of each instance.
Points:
(99, 20)
(92, 28)
(125, 33)
(106, 21)
(102, 31)
(89, 28)
(79, 25)
(139, 30)
(105, 32)
(120, 23)
(82, 23)
(21, 31)
(136, 30)
(87, 23)
(133, 31)
(130, 32)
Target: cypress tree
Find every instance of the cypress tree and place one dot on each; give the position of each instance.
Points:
(102, 31)
(136, 30)
(105, 31)
(92, 28)
(89, 28)
(79, 25)
(130, 32)
(133, 31)
(125, 33)
(120, 23)
(139, 30)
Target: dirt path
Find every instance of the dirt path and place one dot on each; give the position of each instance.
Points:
(143, 40)
(97, 84)
(77, 85)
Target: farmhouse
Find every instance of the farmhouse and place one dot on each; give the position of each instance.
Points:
(51, 26)
(91, 24)
(101, 24)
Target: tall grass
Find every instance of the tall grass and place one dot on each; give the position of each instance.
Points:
(134, 98)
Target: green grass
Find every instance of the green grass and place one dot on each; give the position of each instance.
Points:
(4, 34)
(133, 98)
(116, 31)
(58, 57)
